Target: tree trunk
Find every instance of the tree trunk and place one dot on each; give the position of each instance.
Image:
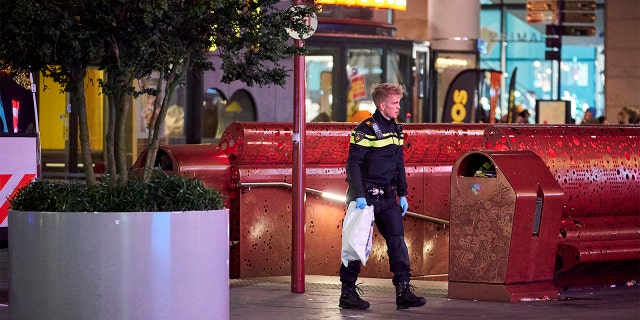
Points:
(175, 76)
(110, 140)
(155, 127)
(122, 108)
(119, 104)
(79, 102)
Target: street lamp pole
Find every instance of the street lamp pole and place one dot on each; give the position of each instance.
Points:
(299, 170)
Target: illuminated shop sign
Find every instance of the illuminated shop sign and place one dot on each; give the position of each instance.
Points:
(378, 4)
(443, 63)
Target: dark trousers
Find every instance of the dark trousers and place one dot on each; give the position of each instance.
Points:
(388, 219)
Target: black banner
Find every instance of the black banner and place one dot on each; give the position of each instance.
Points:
(461, 105)
(459, 102)
(512, 113)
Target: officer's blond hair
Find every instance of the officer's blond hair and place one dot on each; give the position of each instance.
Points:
(381, 91)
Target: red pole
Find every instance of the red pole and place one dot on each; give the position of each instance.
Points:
(299, 170)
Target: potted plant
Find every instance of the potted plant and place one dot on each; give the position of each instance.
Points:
(95, 249)
(149, 249)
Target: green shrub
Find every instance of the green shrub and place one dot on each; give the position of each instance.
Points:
(161, 193)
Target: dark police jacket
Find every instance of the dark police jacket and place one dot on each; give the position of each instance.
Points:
(376, 160)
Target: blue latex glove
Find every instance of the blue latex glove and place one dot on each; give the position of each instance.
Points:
(404, 205)
(361, 203)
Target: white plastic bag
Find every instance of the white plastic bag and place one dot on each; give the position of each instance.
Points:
(357, 234)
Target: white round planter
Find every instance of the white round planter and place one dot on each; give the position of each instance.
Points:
(119, 265)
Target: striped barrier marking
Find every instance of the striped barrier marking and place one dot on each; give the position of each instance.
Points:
(4, 180)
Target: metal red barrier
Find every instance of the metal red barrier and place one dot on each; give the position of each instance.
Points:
(268, 143)
(598, 168)
(260, 157)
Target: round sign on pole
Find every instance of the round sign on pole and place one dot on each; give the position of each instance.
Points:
(311, 20)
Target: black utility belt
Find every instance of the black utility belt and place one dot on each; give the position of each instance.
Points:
(381, 192)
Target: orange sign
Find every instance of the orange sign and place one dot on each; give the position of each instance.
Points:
(378, 4)
(358, 88)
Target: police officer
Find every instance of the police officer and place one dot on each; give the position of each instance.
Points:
(376, 176)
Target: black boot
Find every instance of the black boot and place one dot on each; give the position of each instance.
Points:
(405, 298)
(349, 298)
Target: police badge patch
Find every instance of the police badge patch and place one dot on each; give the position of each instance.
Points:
(358, 136)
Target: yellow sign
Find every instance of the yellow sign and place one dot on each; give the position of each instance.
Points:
(459, 109)
(378, 4)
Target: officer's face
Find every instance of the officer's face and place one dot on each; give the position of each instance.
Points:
(390, 107)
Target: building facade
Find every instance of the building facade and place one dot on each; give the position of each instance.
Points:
(420, 44)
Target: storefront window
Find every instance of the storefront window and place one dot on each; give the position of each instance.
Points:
(446, 66)
(16, 104)
(520, 45)
(319, 93)
(240, 107)
(364, 67)
(339, 80)
(173, 130)
(214, 102)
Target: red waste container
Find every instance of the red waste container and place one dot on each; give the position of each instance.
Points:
(505, 215)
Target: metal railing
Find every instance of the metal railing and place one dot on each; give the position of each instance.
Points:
(332, 196)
